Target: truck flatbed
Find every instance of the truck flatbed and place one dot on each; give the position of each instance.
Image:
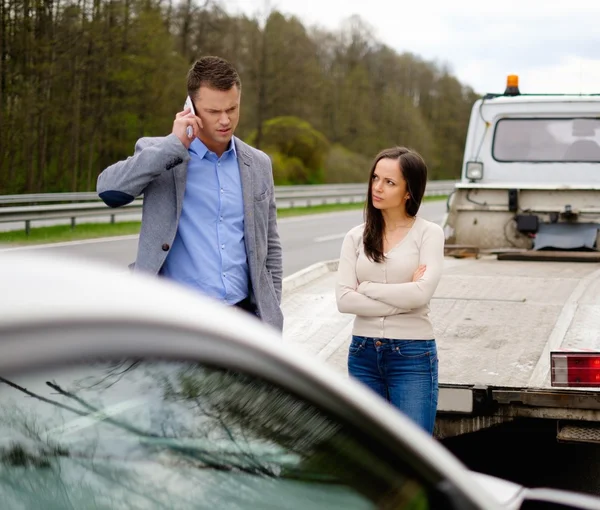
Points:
(496, 323)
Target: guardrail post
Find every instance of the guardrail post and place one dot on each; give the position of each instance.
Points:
(27, 227)
(112, 219)
(73, 223)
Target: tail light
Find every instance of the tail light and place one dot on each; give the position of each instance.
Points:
(575, 369)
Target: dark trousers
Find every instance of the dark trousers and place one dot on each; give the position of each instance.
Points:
(246, 304)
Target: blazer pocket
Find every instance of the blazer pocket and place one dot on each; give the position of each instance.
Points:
(261, 196)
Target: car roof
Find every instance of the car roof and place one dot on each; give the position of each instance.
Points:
(41, 290)
(44, 289)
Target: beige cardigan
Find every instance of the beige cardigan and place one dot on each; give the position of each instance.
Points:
(381, 295)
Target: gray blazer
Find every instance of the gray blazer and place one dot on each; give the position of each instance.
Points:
(158, 170)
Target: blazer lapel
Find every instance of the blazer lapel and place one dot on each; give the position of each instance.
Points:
(248, 194)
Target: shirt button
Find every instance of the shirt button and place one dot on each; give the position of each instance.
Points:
(222, 246)
(165, 247)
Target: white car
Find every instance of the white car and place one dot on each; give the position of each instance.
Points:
(121, 391)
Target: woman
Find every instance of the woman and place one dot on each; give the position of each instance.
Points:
(389, 268)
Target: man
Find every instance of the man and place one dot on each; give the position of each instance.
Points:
(209, 218)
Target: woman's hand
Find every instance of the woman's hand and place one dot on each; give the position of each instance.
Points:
(418, 274)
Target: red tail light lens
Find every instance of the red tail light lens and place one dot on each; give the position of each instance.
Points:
(575, 369)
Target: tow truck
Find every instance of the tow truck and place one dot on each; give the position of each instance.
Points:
(517, 311)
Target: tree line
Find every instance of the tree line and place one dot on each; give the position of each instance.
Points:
(81, 80)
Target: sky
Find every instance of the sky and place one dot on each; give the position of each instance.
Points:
(552, 45)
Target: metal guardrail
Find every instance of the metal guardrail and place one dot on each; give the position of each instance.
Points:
(299, 190)
(52, 206)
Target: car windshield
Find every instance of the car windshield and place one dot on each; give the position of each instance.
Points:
(164, 434)
(547, 140)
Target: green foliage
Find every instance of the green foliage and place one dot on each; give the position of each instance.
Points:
(297, 149)
(343, 165)
(287, 170)
(80, 82)
(79, 88)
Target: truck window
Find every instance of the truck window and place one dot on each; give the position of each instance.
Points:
(547, 140)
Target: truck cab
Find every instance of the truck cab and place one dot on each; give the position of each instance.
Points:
(530, 181)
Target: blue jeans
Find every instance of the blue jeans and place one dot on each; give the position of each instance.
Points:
(404, 372)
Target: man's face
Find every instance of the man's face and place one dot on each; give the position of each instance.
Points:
(220, 113)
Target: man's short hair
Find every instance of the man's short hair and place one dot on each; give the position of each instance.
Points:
(214, 72)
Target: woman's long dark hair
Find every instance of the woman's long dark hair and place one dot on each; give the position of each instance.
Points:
(414, 171)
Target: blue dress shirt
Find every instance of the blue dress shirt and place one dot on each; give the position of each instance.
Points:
(209, 253)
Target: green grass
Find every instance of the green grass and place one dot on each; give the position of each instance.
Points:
(63, 233)
(316, 209)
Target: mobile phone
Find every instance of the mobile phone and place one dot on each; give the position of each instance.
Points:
(190, 105)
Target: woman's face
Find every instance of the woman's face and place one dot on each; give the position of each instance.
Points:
(388, 186)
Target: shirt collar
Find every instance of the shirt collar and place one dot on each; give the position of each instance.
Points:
(198, 148)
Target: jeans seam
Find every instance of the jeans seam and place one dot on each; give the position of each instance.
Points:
(399, 353)
(432, 411)
(380, 362)
(431, 392)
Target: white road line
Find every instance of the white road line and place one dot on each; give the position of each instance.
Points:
(71, 243)
(332, 237)
(317, 216)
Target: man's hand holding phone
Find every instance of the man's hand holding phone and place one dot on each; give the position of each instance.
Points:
(187, 125)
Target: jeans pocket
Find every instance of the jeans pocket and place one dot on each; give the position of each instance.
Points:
(415, 349)
(357, 345)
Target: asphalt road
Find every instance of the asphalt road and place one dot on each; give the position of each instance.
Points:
(305, 239)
